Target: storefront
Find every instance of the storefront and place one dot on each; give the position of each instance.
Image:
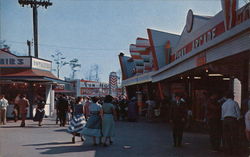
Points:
(29, 76)
(211, 55)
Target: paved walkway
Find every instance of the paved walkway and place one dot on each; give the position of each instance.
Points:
(143, 139)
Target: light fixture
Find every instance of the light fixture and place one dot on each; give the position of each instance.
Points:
(34, 84)
(215, 75)
(206, 70)
(25, 84)
(226, 79)
(197, 77)
(181, 78)
(188, 77)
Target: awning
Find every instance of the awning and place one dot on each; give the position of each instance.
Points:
(215, 50)
(28, 75)
(63, 91)
(138, 79)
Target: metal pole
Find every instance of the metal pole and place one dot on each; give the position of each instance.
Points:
(35, 28)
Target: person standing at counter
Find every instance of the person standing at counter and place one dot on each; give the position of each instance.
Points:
(3, 108)
(23, 104)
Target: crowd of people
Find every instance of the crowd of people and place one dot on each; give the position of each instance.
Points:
(95, 116)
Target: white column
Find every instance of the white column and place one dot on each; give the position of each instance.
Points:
(48, 100)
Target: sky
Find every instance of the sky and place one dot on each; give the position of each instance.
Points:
(95, 31)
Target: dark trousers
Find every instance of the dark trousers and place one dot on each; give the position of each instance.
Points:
(62, 117)
(178, 127)
(230, 134)
(215, 132)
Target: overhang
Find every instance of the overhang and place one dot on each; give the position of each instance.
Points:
(230, 43)
(138, 79)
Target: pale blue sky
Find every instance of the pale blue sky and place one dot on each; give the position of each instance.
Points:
(95, 31)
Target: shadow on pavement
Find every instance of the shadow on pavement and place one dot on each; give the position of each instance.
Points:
(51, 143)
(61, 130)
(67, 149)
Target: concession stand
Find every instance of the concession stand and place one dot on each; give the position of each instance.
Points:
(29, 76)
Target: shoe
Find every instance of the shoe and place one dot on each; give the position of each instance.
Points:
(82, 139)
(73, 140)
(22, 125)
(94, 144)
(111, 142)
(105, 145)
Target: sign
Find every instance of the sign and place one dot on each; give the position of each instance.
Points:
(201, 59)
(41, 64)
(229, 9)
(12, 61)
(189, 21)
(199, 41)
(232, 18)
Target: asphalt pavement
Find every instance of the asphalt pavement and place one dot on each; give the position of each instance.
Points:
(133, 139)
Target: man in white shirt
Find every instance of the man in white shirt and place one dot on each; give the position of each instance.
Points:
(3, 108)
(230, 114)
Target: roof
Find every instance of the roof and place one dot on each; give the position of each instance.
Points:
(27, 75)
(25, 72)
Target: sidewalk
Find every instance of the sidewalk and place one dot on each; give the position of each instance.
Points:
(140, 140)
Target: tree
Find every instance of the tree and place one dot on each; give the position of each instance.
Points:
(60, 61)
(75, 66)
(3, 45)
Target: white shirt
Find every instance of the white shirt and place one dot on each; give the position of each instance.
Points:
(247, 120)
(230, 108)
(3, 103)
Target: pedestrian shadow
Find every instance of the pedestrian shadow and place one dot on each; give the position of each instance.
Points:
(51, 143)
(61, 130)
(67, 149)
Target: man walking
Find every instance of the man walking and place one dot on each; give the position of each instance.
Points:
(23, 104)
(62, 107)
(178, 115)
(214, 121)
(230, 116)
(3, 108)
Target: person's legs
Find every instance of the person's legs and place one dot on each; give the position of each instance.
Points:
(64, 118)
(180, 134)
(23, 119)
(110, 140)
(227, 135)
(105, 141)
(218, 135)
(234, 136)
(212, 132)
(94, 141)
(1, 117)
(4, 116)
(175, 131)
(73, 138)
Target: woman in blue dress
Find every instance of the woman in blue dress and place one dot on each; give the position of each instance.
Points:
(93, 126)
(108, 113)
(78, 120)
